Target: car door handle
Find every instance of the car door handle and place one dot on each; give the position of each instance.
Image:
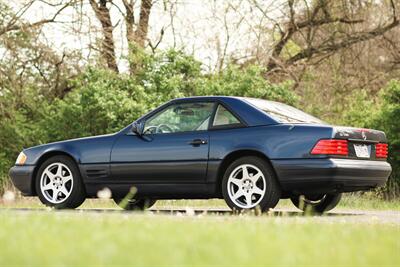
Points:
(197, 142)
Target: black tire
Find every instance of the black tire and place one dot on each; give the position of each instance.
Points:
(135, 204)
(316, 204)
(272, 188)
(77, 194)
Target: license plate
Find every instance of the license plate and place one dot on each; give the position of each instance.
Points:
(362, 151)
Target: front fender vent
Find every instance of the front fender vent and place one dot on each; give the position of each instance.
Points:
(96, 173)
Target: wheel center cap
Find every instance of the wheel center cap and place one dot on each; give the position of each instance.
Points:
(58, 181)
(247, 184)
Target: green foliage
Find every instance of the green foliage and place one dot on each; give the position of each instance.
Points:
(359, 110)
(387, 119)
(247, 82)
(383, 113)
(101, 101)
(169, 75)
(104, 102)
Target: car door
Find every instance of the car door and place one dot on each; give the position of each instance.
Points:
(174, 147)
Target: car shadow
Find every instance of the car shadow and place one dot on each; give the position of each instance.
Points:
(276, 213)
(176, 211)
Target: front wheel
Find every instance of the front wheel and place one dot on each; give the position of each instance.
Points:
(316, 203)
(249, 182)
(134, 204)
(59, 183)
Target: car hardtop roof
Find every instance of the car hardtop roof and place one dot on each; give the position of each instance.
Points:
(206, 98)
(220, 97)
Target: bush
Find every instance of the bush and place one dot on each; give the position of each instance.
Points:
(382, 113)
(247, 82)
(387, 119)
(102, 101)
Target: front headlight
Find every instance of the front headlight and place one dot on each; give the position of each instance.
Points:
(21, 159)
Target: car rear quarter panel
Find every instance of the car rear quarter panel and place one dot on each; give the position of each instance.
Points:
(280, 141)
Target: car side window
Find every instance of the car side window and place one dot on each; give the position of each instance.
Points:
(224, 117)
(180, 118)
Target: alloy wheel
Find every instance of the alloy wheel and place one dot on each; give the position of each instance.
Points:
(56, 183)
(246, 186)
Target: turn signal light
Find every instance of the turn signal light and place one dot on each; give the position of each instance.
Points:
(331, 147)
(21, 159)
(381, 150)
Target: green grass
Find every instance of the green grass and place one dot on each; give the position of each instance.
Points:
(367, 201)
(74, 238)
(108, 237)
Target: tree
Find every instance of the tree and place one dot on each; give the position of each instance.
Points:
(136, 30)
(324, 27)
(11, 21)
(108, 48)
(137, 37)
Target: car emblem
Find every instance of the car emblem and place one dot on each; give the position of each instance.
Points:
(363, 135)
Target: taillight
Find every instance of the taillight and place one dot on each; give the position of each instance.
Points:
(381, 150)
(331, 147)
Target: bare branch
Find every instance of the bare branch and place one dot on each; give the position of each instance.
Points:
(154, 47)
(13, 26)
(319, 16)
(357, 38)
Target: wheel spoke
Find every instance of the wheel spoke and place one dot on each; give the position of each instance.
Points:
(66, 178)
(49, 174)
(238, 194)
(59, 170)
(248, 199)
(55, 194)
(64, 190)
(245, 172)
(257, 190)
(256, 177)
(48, 186)
(235, 181)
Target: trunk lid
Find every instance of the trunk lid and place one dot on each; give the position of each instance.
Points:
(361, 142)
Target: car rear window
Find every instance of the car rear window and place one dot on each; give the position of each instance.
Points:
(283, 113)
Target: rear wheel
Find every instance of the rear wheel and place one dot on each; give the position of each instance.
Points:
(59, 184)
(134, 204)
(316, 203)
(250, 182)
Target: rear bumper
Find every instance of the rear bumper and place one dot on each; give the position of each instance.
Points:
(330, 175)
(22, 177)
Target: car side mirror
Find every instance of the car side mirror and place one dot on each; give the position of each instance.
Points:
(137, 128)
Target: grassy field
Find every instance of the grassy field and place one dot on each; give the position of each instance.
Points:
(78, 238)
(106, 236)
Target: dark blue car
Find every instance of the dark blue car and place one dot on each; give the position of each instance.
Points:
(251, 152)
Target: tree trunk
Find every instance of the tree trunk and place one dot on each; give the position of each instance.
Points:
(136, 38)
(143, 25)
(108, 49)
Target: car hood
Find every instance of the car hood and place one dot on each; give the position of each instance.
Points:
(71, 141)
(91, 149)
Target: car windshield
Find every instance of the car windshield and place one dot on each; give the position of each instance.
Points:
(282, 112)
